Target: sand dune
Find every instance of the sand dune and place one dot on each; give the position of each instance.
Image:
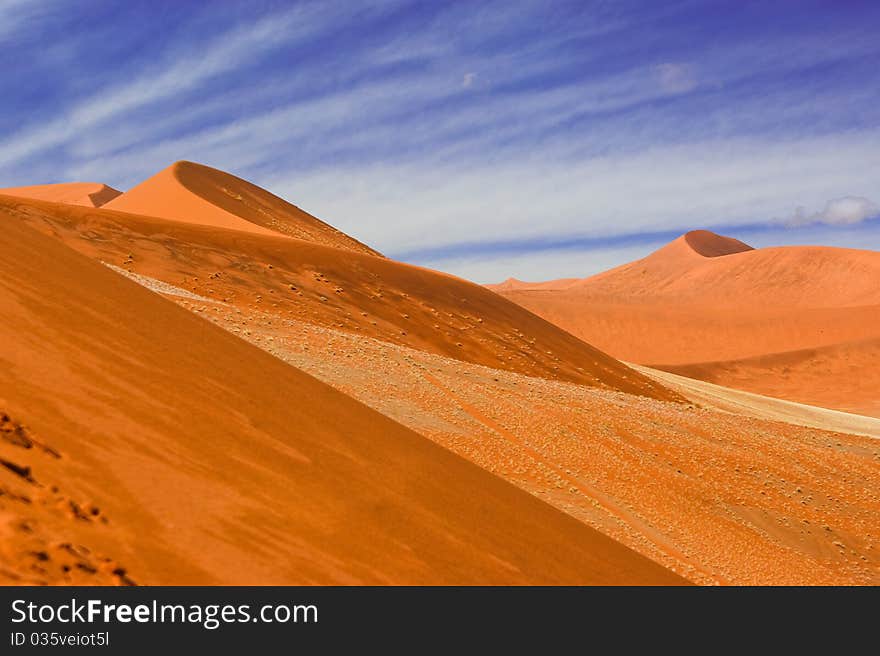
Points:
(706, 299)
(194, 193)
(142, 444)
(89, 194)
(512, 284)
(747, 495)
(707, 269)
(361, 293)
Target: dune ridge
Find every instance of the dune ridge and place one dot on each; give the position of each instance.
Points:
(195, 193)
(805, 375)
(734, 273)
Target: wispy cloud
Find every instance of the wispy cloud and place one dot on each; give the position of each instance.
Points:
(182, 70)
(549, 195)
(17, 14)
(676, 78)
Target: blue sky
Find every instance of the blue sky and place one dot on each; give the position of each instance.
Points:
(491, 139)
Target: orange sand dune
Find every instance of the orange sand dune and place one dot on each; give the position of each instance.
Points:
(706, 298)
(356, 292)
(512, 284)
(194, 193)
(704, 268)
(90, 194)
(141, 444)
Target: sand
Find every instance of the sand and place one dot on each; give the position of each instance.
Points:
(199, 194)
(371, 295)
(143, 444)
(89, 194)
(738, 402)
(732, 488)
(808, 375)
(328, 415)
(777, 321)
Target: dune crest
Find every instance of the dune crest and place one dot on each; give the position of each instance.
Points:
(195, 193)
(512, 284)
(88, 194)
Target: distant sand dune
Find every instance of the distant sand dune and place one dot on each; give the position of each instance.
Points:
(811, 376)
(778, 321)
(89, 194)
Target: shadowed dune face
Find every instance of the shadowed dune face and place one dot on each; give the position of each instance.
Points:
(708, 244)
(194, 193)
(363, 294)
(142, 444)
(706, 299)
(88, 194)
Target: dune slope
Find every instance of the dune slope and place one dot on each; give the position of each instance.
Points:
(89, 194)
(195, 193)
(143, 444)
(327, 286)
(714, 496)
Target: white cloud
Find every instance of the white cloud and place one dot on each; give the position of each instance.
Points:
(676, 78)
(848, 210)
(416, 205)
